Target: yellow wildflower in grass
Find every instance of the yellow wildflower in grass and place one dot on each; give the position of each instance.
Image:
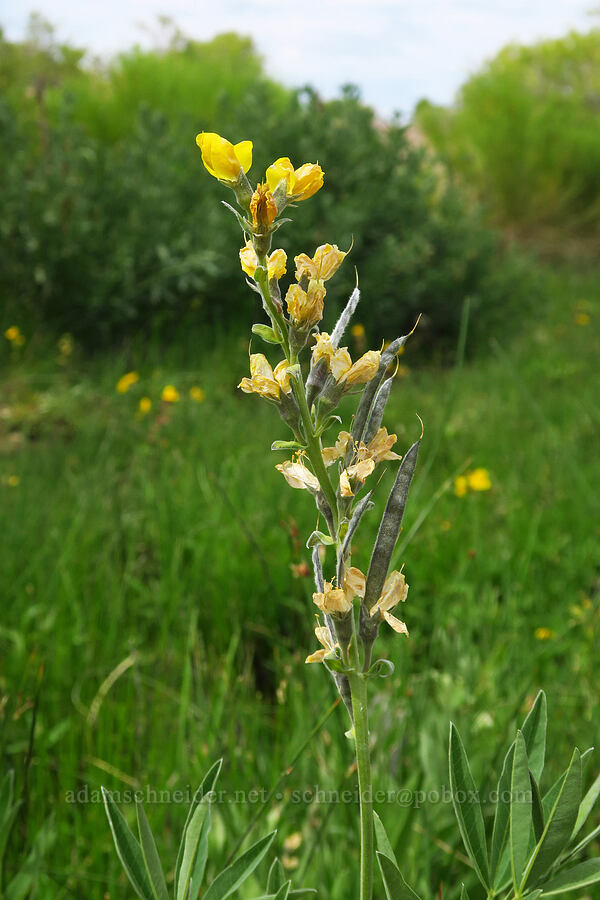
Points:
(197, 394)
(169, 394)
(126, 381)
(300, 183)
(263, 208)
(292, 842)
(445, 525)
(13, 334)
(265, 381)
(323, 265)
(340, 362)
(224, 160)
(145, 405)
(13, 481)
(357, 330)
(298, 476)
(544, 634)
(276, 262)
(306, 307)
(479, 480)
(582, 318)
(461, 485)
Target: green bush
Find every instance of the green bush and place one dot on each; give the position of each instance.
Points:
(110, 225)
(524, 134)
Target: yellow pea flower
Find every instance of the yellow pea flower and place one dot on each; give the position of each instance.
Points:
(197, 394)
(544, 634)
(145, 405)
(395, 590)
(363, 369)
(332, 601)
(12, 334)
(263, 209)
(461, 485)
(300, 183)
(169, 394)
(306, 307)
(355, 476)
(276, 262)
(328, 648)
(298, 476)
(323, 265)
(263, 380)
(224, 160)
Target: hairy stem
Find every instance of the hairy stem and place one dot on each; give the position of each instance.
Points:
(358, 689)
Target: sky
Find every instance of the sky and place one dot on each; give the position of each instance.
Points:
(396, 51)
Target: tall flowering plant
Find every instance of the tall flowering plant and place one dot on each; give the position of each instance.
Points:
(535, 836)
(352, 604)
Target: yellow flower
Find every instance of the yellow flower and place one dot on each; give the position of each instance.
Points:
(582, 318)
(461, 486)
(13, 481)
(292, 842)
(169, 394)
(12, 334)
(332, 601)
(354, 582)
(340, 362)
(126, 381)
(323, 265)
(363, 369)
(330, 454)
(358, 330)
(324, 638)
(145, 405)
(306, 307)
(264, 381)
(224, 160)
(298, 476)
(276, 262)
(300, 183)
(395, 590)
(355, 476)
(263, 208)
(544, 634)
(197, 394)
(65, 344)
(379, 447)
(479, 480)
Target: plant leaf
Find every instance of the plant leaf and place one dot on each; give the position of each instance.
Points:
(395, 886)
(287, 445)
(584, 842)
(581, 875)
(467, 806)
(463, 893)
(193, 836)
(266, 333)
(520, 810)
(559, 825)
(534, 731)
(537, 811)
(230, 878)
(383, 841)
(283, 891)
(128, 849)
(201, 858)
(390, 527)
(276, 877)
(584, 810)
(150, 853)
(502, 817)
(381, 668)
(319, 537)
(206, 786)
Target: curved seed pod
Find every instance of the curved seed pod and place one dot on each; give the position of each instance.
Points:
(370, 391)
(344, 319)
(360, 509)
(378, 409)
(318, 570)
(390, 527)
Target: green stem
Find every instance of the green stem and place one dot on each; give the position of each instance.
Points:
(276, 316)
(358, 689)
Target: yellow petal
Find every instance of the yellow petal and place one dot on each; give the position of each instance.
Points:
(259, 365)
(248, 259)
(395, 623)
(316, 657)
(345, 487)
(364, 368)
(219, 156)
(298, 476)
(281, 170)
(243, 151)
(354, 582)
(276, 264)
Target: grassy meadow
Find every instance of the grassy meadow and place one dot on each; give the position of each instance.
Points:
(156, 602)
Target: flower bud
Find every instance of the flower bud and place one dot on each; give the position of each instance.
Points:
(263, 209)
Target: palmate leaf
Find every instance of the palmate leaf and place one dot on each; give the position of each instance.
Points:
(128, 849)
(520, 810)
(395, 886)
(150, 853)
(230, 878)
(467, 807)
(580, 876)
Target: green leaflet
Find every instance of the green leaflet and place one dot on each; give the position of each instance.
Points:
(395, 886)
(230, 878)
(467, 806)
(128, 849)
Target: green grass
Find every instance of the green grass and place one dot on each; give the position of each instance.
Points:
(162, 544)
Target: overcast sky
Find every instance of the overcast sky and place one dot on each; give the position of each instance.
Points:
(397, 51)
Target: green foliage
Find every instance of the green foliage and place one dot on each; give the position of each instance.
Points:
(539, 851)
(524, 135)
(109, 224)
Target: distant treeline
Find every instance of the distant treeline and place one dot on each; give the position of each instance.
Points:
(524, 135)
(110, 225)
